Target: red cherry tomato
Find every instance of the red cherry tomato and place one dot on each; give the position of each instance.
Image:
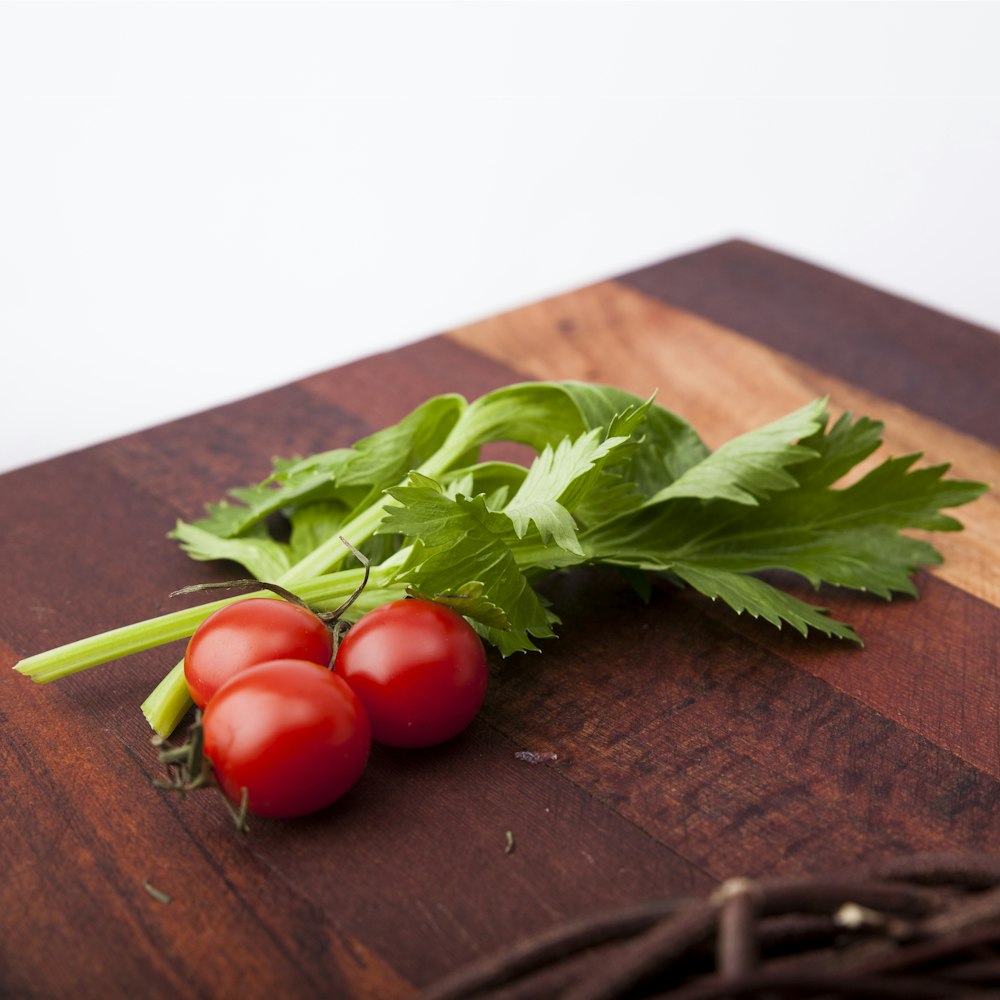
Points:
(249, 632)
(418, 667)
(291, 733)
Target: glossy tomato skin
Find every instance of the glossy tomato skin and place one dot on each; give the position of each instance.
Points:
(418, 667)
(291, 732)
(249, 632)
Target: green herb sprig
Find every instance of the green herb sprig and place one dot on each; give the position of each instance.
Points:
(617, 480)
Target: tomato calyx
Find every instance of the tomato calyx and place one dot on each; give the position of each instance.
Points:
(189, 770)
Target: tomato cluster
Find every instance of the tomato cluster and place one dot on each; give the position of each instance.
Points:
(288, 732)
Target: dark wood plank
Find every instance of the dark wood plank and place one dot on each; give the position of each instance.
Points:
(933, 363)
(729, 751)
(195, 460)
(84, 832)
(930, 665)
(387, 387)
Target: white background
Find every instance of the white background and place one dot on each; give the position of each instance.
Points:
(199, 201)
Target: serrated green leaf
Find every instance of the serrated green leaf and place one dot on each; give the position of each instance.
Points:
(261, 555)
(563, 478)
(850, 537)
(299, 482)
(382, 459)
(667, 448)
(757, 598)
(752, 466)
(352, 476)
(468, 600)
(551, 477)
(897, 495)
(838, 449)
(496, 480)
(457, 539)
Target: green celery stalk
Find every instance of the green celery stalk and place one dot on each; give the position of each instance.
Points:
(171, 700)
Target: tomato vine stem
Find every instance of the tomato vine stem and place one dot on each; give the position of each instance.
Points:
(189, 770)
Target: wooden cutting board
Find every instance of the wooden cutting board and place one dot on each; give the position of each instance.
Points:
(691, 745)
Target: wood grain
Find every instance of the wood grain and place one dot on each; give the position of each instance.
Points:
(739, 759)
(691, 745)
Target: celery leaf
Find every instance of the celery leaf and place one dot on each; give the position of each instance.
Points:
(458, 539)
(753, 465)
